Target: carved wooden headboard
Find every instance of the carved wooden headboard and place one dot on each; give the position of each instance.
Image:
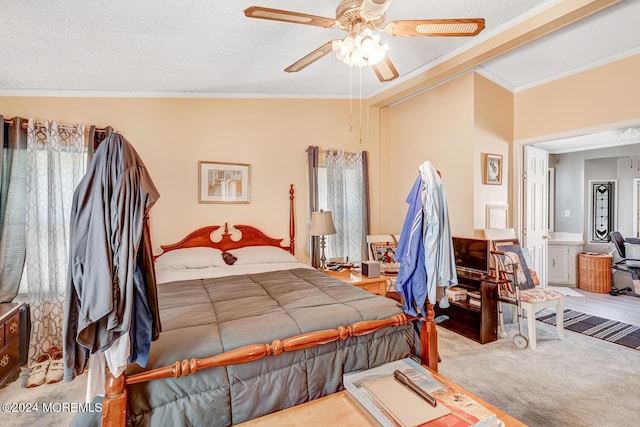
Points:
(249, 236)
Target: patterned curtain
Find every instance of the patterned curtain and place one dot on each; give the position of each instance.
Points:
(13, 184)
(348, 200)
(56, 161)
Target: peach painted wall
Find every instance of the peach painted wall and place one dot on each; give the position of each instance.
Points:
(493, 125)
(453, 126)
(594, 99)
(435, 126)
(172, 135)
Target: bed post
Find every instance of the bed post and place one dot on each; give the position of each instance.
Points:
(114, 404)
(429, 340)
(292, 223)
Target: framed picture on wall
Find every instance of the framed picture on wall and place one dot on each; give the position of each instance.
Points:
(224, 182)
(497, 216)
(493, 169)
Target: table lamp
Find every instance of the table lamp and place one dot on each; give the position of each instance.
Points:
(322, 225)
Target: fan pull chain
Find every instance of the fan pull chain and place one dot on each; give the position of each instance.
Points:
(350, 99)
(360, 105)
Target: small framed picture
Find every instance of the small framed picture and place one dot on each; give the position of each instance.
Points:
(224, 182)
(497, 216)
(493, 169)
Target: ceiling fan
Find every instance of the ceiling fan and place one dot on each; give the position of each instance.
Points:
(362, 20)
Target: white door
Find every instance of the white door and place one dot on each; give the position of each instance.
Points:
(535, 209)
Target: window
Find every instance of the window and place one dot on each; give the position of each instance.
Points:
(602, 210)
(342, 190)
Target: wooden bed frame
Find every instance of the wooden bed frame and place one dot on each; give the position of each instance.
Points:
(115, 403)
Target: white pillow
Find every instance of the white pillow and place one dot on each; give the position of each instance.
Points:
(261, 255)
(179, 259)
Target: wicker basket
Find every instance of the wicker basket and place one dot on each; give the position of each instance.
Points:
(594, 272)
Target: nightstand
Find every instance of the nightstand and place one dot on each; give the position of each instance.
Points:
(13, 331)
(375, 285)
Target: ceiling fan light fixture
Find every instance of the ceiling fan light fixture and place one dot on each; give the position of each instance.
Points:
(372, 10)
(363, 21)
(362, 50)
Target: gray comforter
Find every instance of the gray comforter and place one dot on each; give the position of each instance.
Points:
(205, 317)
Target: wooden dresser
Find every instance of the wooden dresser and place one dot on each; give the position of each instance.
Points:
(13, 340)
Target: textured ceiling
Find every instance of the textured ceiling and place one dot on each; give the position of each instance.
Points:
(606, 36)
(209, 48)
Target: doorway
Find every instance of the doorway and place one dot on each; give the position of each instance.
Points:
(568, 211)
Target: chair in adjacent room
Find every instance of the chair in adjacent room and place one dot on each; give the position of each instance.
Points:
(629, 251)
(517, 288)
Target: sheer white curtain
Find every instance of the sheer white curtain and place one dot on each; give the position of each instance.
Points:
(347, 199)
(56, 161)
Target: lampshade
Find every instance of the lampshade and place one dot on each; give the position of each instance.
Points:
(321, 224)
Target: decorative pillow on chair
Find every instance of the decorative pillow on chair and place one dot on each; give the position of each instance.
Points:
(385, 253)
(514, 264)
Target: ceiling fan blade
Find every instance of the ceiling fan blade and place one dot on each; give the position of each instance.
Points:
(288, 16)
(385, 70)
(311, 57)
(435, 27)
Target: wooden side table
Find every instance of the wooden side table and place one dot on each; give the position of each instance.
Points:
(375, 285)
(342, 409)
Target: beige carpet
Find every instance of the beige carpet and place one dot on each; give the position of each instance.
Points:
(579, 381)
(48, 399)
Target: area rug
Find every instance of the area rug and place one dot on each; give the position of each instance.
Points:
(597, 327)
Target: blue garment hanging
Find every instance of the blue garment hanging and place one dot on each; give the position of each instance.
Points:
(412, 276)
(425, 250)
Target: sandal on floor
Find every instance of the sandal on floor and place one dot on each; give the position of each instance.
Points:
(56, 367)
(53, 350)
(38, 371)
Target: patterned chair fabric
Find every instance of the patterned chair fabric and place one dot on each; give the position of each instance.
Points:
(535, 295)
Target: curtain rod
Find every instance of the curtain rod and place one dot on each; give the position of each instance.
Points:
(25, 125)
(326, 150)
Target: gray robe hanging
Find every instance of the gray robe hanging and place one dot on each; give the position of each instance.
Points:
(108, 229)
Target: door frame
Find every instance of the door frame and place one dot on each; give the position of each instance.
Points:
(636, 207)
(517, 164)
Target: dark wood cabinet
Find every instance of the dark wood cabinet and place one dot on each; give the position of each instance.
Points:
(479, 324)
(13, 340)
